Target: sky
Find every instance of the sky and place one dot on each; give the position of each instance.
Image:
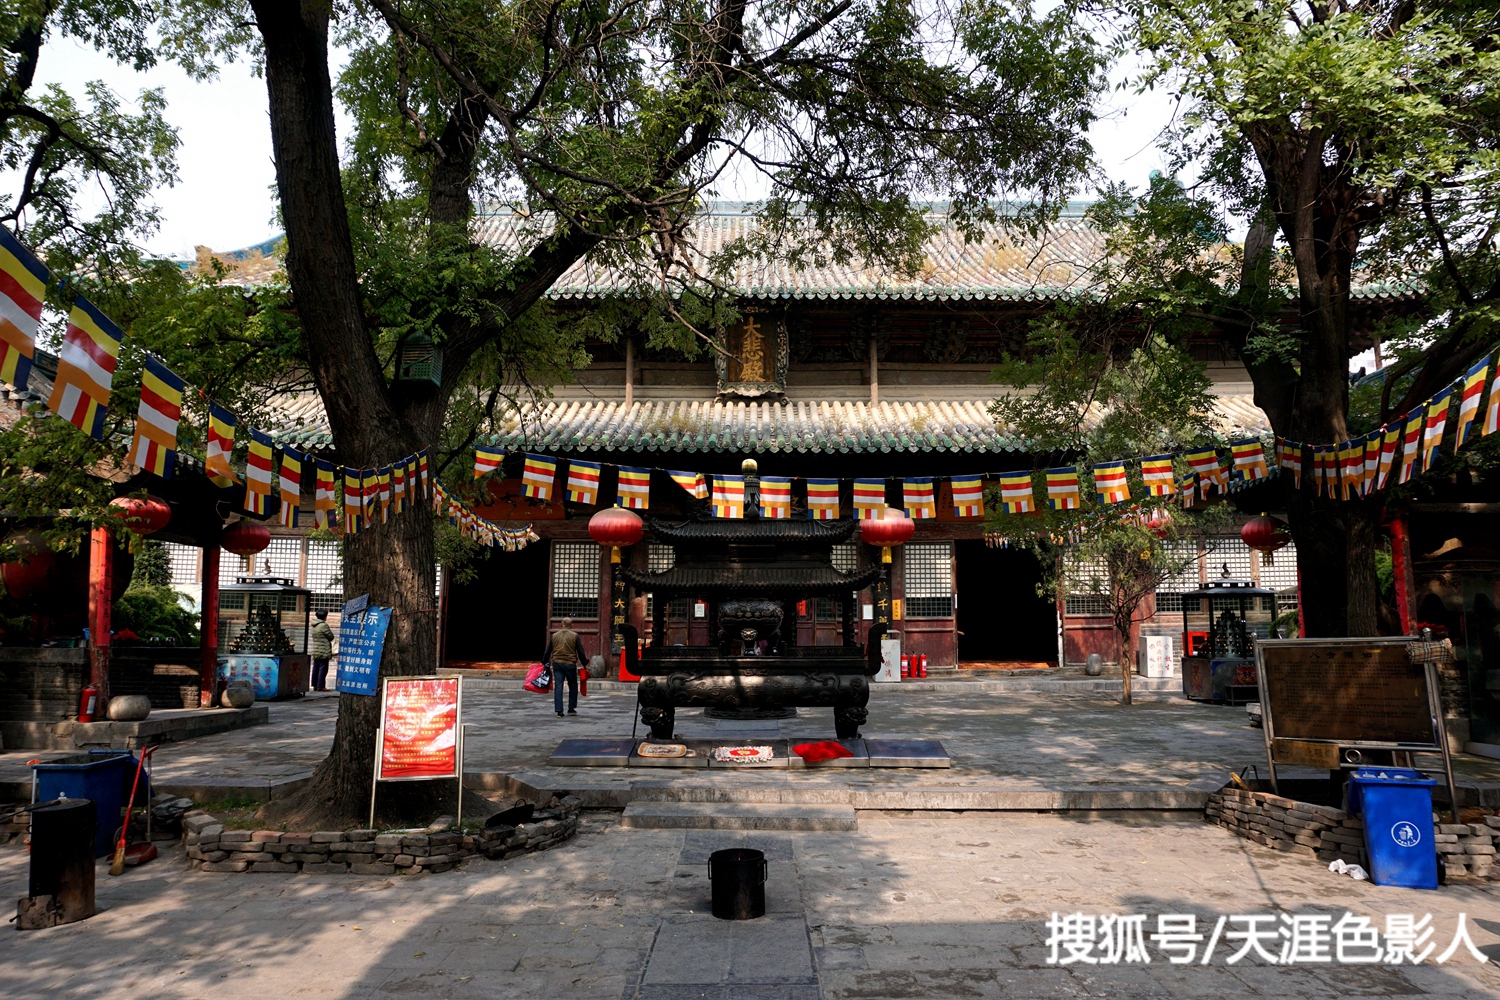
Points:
(224, 198)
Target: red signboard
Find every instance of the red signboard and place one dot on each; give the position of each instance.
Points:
(419, 729)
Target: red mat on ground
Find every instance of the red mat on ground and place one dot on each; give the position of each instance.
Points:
(823, 750)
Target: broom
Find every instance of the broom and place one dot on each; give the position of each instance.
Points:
(117, 867)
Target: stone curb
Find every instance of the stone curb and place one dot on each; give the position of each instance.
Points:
(1328, 834)
(211, 848)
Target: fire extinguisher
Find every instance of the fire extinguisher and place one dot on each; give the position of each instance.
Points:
(922, 666)
(87, 702)
(905, 666)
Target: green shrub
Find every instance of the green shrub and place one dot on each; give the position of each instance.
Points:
(154, 612)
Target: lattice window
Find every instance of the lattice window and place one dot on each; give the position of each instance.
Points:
(1086, 604)
(325, 569)
(1186, 578)
(575, 580)
(660, 558)
(1166, 602)
(1281, 577)
(828, 610)
(331, 603)
(183, 562)
(929, 580)
(846, 557)
(282, 559)
(231, 568)
(1230, 552)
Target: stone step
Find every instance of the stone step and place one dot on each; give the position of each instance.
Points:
(737, 816)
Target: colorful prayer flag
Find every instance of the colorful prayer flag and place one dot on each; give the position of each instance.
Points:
(1468, 404)
(383, 484)
(869, 498)
(1187, 488)
(1205, 463)
(1157, 475)
(634, 488)
(1390, 444)
(86, 368)
(354, 518)
(369, 495)
(1016, 494)
(693, 482)
(1492, 406)
(1437, 420)
(154, 446)
(729, 496)
(1372, 460)
(822, 499)
(291, 486)
(323, 498)
(536, 476)
(220, 446)
(1289, 458)
(968, 497)
(1351, 467)
(258, 461)
(422, 471)
(399, 501)
(1411, 446)
(776, 496)
(1249, 459)
(23, 284)
(918, 498)
(1110, 481)
(1062, 488)
(583, 481)
(487, 460)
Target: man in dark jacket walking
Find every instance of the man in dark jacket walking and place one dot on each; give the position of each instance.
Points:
(564, 655)
(322, 652)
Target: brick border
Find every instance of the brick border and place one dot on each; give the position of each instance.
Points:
(211, 848)
(1326, 833)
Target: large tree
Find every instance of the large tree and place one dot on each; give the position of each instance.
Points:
(1357, 141)
(604, 126)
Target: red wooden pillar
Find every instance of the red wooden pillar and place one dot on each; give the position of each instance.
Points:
(101, 589)
(208, 628)
(1406, 585)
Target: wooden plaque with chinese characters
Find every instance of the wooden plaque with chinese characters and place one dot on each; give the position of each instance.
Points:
(1347, 691)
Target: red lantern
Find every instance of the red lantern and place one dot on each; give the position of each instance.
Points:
(616, 527)
(1265, 535)
(144, 517)
(28, 573)
(892, 527)
(245, 538)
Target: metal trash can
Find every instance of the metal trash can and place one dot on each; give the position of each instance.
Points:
(102, 776)
(738, 879)
(62, 865)
(1396, 803)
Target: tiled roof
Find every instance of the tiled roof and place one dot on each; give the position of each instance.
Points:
(752, 427)
(1000, 267)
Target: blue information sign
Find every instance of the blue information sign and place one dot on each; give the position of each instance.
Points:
(361, 641)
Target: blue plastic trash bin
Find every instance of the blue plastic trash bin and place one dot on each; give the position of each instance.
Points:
(1396, 803)
(103, 776)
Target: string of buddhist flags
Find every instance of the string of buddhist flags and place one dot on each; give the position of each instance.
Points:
(472, 526)
(1391, 455)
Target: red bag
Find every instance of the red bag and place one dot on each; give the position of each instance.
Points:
(812, 753)
(538, 679)
(583, 681)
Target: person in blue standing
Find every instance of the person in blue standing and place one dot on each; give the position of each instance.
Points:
(565, 655)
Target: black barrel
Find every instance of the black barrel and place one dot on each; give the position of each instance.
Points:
(62, 856)
(738, 878)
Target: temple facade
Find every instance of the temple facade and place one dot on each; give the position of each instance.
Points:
(833, 372)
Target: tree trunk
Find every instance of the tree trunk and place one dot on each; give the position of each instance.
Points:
(1127, 666)
(1336, 564)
